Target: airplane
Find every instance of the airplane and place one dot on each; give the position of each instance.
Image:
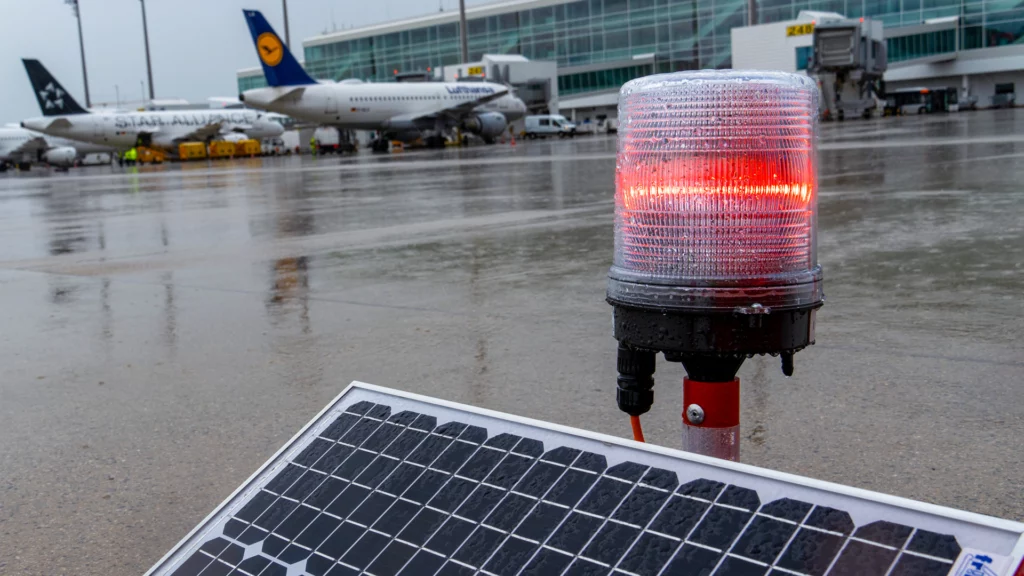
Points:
(64, 117)
(397, 111)
(20, 147)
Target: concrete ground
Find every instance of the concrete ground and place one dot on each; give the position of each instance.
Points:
(165, 330)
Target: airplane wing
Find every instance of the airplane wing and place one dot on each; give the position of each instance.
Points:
(59, 123)
(30, 146)
(235, 128)
(202, 133)
(293, 92)
(450, 113)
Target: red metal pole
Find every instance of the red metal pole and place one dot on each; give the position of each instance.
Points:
(711, 418)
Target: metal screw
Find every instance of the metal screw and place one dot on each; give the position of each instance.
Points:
(695, 414)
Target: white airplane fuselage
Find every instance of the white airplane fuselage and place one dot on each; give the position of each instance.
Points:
(12, 138)
(375, 106)
(167, 128)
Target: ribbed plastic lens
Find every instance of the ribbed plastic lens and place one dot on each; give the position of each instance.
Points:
(716, 191)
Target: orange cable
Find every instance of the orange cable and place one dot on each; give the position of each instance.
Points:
(638, 432)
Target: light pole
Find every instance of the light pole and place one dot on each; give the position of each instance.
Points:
(463, 31)
(287, 34)
(81, 47)
(145, 37)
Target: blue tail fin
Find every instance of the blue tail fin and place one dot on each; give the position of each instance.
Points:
(279, 66)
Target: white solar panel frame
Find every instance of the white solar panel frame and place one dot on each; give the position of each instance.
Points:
(994, 535)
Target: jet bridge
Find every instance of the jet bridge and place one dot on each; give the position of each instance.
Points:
(848, 62)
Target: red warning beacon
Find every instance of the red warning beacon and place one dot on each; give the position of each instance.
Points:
(715, 260)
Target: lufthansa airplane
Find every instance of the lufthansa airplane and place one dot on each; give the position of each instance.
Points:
(20, 147)
(399, 111)
(64, 117)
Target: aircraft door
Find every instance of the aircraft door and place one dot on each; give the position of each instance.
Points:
(98, 125)
(332, 106)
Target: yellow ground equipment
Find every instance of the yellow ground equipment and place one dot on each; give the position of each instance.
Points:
(251, 148)
(221, 149)
(191, 150)
(150, 155)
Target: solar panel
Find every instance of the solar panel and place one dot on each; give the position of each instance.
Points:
(385, 483)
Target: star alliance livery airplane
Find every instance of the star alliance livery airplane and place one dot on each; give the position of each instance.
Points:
(398, 111)
(64, 117)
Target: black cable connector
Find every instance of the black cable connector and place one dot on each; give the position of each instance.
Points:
(634, 394)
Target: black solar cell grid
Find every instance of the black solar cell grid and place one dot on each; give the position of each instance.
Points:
(385, 494)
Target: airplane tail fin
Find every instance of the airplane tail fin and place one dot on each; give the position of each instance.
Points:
(279, 66)
(53, 99)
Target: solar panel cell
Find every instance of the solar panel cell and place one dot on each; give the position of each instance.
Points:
(422, 563)
(574, 533)
(510, 557)
(811, 552)
(365, 550)
(692, 560)
(939, 545)
(641, 505)
(542, 521)
(611, 542)
(392, 559)
(679, 516)
(764, 539)
(451, 535)
(720, 526)
(862, 558)
(479, 547)
(649, 555)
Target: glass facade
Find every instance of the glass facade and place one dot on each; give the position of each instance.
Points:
(682, 34)
(605, 79)
(921, 45)
(250, 82)
(685, 34)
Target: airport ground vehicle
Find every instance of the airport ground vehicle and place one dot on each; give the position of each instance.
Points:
(333, 140)
(544, 125)
(920, 100)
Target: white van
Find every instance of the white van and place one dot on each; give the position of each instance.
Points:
(549, 125)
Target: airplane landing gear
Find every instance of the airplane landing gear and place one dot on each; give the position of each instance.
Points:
(435, 141)
(380, 145)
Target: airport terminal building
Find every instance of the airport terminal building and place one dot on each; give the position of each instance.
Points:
(600, 44)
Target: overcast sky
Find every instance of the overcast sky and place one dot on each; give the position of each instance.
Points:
(196, 45)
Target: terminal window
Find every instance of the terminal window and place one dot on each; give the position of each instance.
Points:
(803, 57)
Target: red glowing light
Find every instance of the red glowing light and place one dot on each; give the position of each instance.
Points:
(692, 180)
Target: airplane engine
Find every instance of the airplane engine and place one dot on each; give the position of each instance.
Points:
(64, 156)
(487, 125)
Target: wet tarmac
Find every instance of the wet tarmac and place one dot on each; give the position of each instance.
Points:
(167, 329)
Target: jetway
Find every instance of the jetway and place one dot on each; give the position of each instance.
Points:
(848, 61)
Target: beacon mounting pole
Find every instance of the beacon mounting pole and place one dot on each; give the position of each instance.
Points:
(715, 238)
